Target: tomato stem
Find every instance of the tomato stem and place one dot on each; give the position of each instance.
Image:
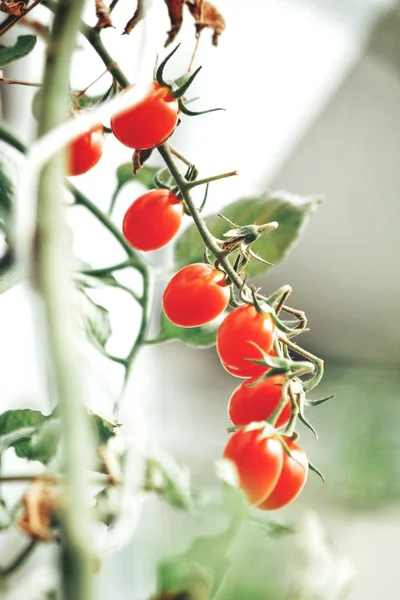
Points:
(197, 182)
(313, 381)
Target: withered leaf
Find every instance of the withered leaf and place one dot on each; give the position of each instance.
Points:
(13, 8)
(103, 15)
(138, 15)
(139, 158)
(206, 15)
(40, 502)
(175, 12)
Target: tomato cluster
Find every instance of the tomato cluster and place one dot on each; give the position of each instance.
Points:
(272, 470)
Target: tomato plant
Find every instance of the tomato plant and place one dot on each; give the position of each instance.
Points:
(150, 121)
(291, 480)
(161, 211)
(257, 455)
(84, 152)
(257, 402)
(241, 328)
(73, 443)
(196, 295)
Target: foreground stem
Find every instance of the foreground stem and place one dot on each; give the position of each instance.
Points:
(50, 277)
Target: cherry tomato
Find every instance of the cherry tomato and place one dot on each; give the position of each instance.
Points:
(149, 122)
(85, 152)
(196, 295)
(292, 479)
(243, 325)
(248, 404)
(152, 220)
(258, 457)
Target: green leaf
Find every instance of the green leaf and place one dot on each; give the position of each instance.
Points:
(43, 444)
(291, 212)
(104, 429)
(164, 179)
(195, 337)
(95, 320)
(145, 176)
(23, 46)
(35, 436)
(11, 165)
(170, 480)
(9, 273)
(13, 421)
(5, 516)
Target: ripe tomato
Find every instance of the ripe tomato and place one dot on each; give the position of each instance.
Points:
(248, 404)
(152, 220)
(243, 325)
(85, 152)
(149, 122)
(258, 457)
(196, 295)
(292, 479)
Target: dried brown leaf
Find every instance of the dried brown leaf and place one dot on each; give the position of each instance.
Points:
(40, 503)
(137, 17)
(13, 8)
(139, 158)
(103, 15)
(175, 12)
(206, 15)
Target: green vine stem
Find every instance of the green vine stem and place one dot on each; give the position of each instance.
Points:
(93, 37)
(209, 240)
(313, 381)
(51, 279)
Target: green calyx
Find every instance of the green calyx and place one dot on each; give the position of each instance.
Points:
(240, 238)
(179, 86)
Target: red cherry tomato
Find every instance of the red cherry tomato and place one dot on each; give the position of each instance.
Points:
(248, 404)
(152, 220)
(85, 152)
(196, 295)
(258, 457)
(243, 325)
(149, 122)
(292, 479)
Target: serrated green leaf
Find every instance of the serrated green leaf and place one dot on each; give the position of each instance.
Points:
(23, 46)
(95, 320)
(195, 337)
(291, 212)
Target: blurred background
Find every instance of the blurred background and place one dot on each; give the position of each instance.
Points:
(312, 91)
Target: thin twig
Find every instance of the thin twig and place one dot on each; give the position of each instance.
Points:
(19, 82)
(197, 44)
(11, 21)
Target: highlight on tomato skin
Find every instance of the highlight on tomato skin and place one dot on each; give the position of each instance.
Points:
(257, 455)
(292, 479)
(241, 327)
(152, 220)
(196, 295)
(257, 403)
(148, 122)
(85, 151)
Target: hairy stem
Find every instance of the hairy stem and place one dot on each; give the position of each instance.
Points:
(94, 39)
(209, 240)
(50, 278)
